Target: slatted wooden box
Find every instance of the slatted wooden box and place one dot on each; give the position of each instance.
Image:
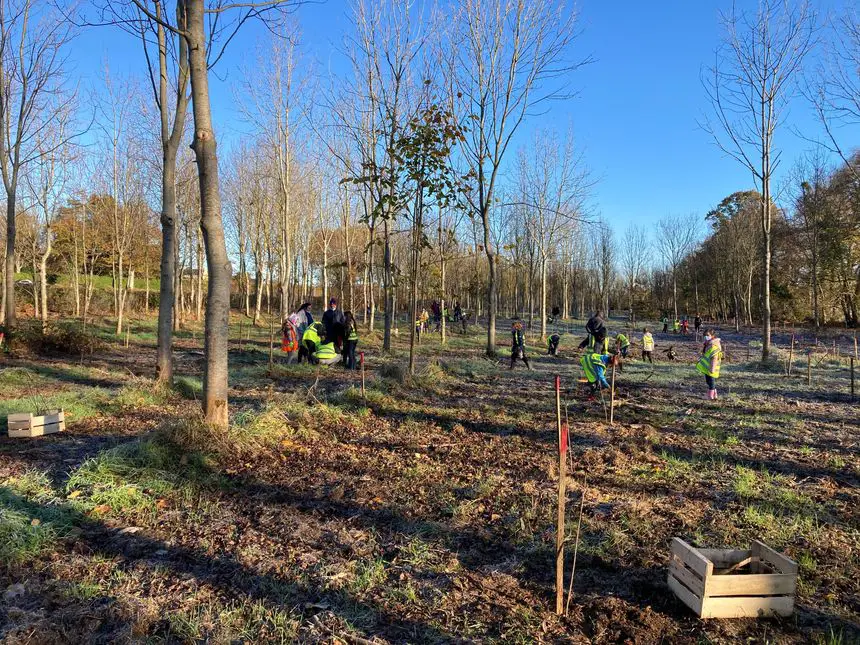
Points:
(27, 424)
(729, 583)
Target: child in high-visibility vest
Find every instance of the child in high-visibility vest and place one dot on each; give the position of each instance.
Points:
(676, 326)
(552, 345)
(598, 342)
(710, 361)
(622, 344)
(518, 344)
(594, 365)
(647, 345)
(349, 346)
(289, 340)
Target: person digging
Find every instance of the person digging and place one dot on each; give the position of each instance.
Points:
(595, 365)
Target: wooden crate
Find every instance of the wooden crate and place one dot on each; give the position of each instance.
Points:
(728, 583)
(27, 424)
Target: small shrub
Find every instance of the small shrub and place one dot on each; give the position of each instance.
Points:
(63, 338)
(397, 372)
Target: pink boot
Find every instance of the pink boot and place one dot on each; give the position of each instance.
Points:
(712, 395)
(715, 394)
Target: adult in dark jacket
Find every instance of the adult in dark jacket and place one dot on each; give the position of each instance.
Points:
(334, 323)
(594, 327)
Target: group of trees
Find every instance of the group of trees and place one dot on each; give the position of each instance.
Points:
(401, 178)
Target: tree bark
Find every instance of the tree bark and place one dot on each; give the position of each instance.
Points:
(543, 263)
(215, 375)
(10, 259)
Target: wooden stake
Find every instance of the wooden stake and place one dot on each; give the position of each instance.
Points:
(271, 340)
(612, 398)
(562, 491)
(126, 334)
(852, 378)
(363, 393)
(809, 367)
(855, 346)
(790, 354)
(241, 329)
(575, 547)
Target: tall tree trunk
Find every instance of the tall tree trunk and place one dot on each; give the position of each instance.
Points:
(200, 280)
(258, 296)
(441, 281)
(387, 287)
(9, 307)
(43, 277)
(543, 264)
(215, 373)
(416, 263)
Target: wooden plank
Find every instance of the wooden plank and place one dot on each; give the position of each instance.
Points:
(38, 431)
(764, 584)
(47, 419)
(724, 558)
(20, 416)
(777, 560)
(692, 558)
(685, 595)
(747, 607)
(687, 577)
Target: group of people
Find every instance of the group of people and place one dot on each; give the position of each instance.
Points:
(333, 339)
(682, 325)
(422, 320)
(598, 357)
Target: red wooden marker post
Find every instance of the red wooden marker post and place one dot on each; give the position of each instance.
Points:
(361, 360)
(562, 493)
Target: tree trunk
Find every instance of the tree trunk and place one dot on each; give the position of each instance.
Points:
(215, 373)
(416, 262)
(543, 263)
(9, 308)
(43, 277)
(258, 296)
(388, 288)
(166, 290)
(200, 280)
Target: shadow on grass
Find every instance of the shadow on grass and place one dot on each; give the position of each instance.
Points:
(232, 579)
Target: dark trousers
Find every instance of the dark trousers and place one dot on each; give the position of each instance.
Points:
(711, 381)
(309, 350)
(349, 354)
(519, 352)
(646, 356)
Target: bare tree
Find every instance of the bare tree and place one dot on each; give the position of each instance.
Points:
(46, 181)
(676, 238)
(553, 186)
(32, 60)
(511, 58)
(635, 257)
(201, 24)
(603, 261)
(749, 87)
(834, 85)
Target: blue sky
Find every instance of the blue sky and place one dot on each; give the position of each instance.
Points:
(635, 112)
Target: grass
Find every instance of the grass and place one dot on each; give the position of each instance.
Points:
(137, 480)
(82, 403)
(32, 517)
(188, 387)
